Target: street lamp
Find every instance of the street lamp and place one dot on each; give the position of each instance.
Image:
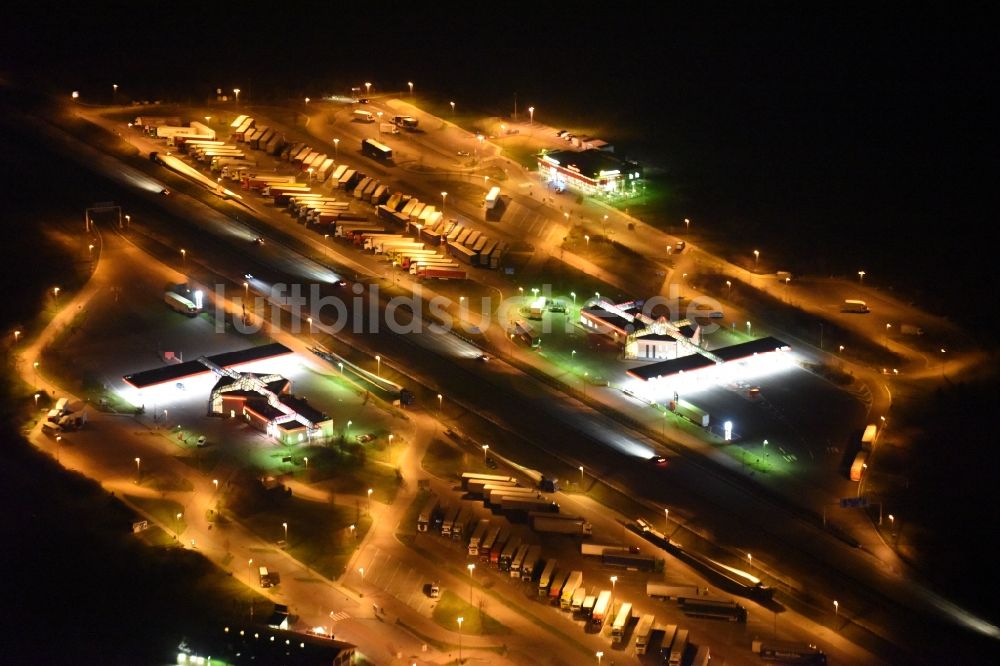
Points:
(763, 448)
(307, 100)
(444, 200)
(250, 571)
(184, 255)
(75, 95)
(729, 288)
(452, 108)
(17, 334)
(370, 491)
(861, 277)
(368, 88)
(236, 91)
(55, 292)
(666, 520)
(531, 115)
(750, 560)
(581, 476)
(410, 83)
(836, 607)
(841, 349)
(599, 655)
(347, 429)
(587, 238)
(573, 294)
(336, 147)
(440, 402)
(37, 395)
(215, 482)
(138, 469)
(361, 570)
(460, 620)
(471, 568)
(756, 256)
(285, 525)
(351, 527)
(378, 365)
(687, 225)
(90, 250)
(486, 448)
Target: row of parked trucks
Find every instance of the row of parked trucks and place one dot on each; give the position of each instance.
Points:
(423, 222)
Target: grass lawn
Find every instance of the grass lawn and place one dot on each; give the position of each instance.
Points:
(443, 460)
(163, 511)
(319, 535)
(347, 470)
(450, 607)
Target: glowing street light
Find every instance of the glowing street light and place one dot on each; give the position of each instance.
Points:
(378, 366)
(756, 256)
(75, 95)
(836, 607)
(687, 225)
(370, 491)
(666, 520)
(250, 571)
(452, 108)
(573, 294)
(184, 255)
(336, 146)
(460, 620)
(361, 570)
(307, 100)
(285, 525)
(440, 402)
(861, 277)
(215, 482)
(444, 200)
(236, 91)
(410, 83)
(587, 238)
(368, 88)
(486, 448)
(750, 560)
(599, 655)
(841, 348)
(729, 288)
(55, 292)
(17, 334)
(37, 396)
(531, 115)
(581, 476)
(471, 568)
(138, 469)
(351, 528)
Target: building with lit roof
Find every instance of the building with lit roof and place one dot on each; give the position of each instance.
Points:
(588, 171)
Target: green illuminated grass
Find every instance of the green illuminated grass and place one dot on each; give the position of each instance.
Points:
(450, 607)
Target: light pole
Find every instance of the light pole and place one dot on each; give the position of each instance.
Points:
(887, 327)
(471, 568)
(379, 114)
(581, 476)
(666, 521)
(285, 526)
(351, 527)
(440, 403)
(460, 620)
(215, 482)
(410, 83)
(444, 200)
(452, 108)
(55, 292)
(236, 91)
(347, 429)
(687, 225)
(486, 448)
(184, 256)
(861, 277)
(361, 570)
(573, 295)
(138, 469)
(370, 491)
(750, 561)
(178, 523)
(586, 237)
(378, 365)
(729, 288)
(599, 655)
(368, 88)
(37, 395)
(836, 608)
(17, 334)
(943, 351)
(763, 448)
(531, 115)
(336, 149)
(250, 571)
(756, 256)
(90, 251)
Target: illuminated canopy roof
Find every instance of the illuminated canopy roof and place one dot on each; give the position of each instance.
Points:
(593, 164)
(175, 373)
(697, 361)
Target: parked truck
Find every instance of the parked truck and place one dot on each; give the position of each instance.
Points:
(572, 584)
(477, 536)
(427, 513)
(388, 128)
(597, 548)
(620, 625)
(532, 560)
(601, 608)
(664, 591)
(852, 305)
(859, 465)
(690, 412)
(180, 304)
(545, 579)
(560, 524)
(643, 632)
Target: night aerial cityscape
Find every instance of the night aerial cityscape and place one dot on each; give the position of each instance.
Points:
(544, 334)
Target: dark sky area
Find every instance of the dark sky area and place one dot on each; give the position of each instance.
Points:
(839, 136)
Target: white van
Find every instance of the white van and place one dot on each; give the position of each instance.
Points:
(363, 116)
